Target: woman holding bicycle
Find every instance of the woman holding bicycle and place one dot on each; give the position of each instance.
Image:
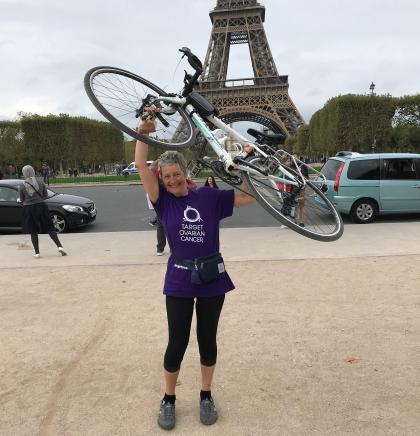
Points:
(195, 272)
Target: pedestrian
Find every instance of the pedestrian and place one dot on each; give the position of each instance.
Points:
(36, 217)
(300, 198)
(285, 187)
(154, 169)
(154, 221)
(45, 172)
(195, 272)
(211, 183)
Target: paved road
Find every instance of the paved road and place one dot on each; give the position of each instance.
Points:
(124, 208)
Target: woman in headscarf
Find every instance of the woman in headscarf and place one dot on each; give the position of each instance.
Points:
(36, 217)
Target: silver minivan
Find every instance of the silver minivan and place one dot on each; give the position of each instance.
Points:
(365, 185)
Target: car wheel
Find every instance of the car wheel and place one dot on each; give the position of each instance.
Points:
(364, 211)
(59, 222)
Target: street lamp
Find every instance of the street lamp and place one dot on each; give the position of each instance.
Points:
(372, 126)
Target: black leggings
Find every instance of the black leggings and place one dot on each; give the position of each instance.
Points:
(35, 240)
(179, 312)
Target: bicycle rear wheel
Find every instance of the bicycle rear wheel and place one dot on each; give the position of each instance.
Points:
(311, 207)
(120, 96)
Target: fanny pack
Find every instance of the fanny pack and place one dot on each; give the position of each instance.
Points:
(204, 269)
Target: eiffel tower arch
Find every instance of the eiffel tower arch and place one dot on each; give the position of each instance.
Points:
(264, 98)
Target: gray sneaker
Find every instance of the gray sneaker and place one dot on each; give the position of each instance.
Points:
(166, 418)
(208, 412)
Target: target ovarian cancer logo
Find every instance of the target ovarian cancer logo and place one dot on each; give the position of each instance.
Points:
(192, 230)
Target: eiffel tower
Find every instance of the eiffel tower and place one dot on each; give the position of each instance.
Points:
(263, 98)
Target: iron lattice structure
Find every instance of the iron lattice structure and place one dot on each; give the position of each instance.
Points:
(263, 98)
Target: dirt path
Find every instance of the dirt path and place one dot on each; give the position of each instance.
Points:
(306, 347)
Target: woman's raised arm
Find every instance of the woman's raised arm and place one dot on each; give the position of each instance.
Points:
(150, 181)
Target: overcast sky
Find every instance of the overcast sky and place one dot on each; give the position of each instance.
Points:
(326, 47)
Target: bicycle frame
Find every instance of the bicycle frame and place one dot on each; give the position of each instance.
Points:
(218, 148)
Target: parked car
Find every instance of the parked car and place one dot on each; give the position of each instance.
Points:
(67, 211)
(365, 185)
(131, 169)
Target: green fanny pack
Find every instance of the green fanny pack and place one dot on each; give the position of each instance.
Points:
(204, 269)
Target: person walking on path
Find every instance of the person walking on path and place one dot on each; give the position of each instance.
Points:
(300, 208)
(45, 172)
(36, 217)
(211, 183)
(160, 231)
(191, 219)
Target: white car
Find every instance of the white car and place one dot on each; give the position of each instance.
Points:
(131, 169)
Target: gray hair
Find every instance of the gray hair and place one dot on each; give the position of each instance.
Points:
(172, 158)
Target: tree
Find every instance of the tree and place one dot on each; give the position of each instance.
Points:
(11, 145)
(72, 140)
(352, 122)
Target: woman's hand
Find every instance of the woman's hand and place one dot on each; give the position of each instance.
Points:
(147, 126)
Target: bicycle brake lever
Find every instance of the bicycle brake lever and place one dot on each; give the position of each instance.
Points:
(161, 119)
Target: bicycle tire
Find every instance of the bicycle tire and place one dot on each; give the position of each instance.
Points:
(322, 221)
(117, 94)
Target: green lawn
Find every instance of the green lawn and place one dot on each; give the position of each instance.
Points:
(104, 179)
(94, 179)
(114, 178)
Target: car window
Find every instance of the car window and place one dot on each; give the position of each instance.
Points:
(400, 169)
(330, 169)
(367, 169)
(8, 194)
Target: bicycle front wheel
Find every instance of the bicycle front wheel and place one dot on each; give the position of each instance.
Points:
(120, 95)
(310, 213)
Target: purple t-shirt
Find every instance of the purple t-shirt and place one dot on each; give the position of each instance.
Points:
(191, 225)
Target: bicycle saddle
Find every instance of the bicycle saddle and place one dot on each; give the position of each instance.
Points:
(271, 138)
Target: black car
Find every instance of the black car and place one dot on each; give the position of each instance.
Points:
(67, 211)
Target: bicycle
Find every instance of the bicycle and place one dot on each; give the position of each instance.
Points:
(123, 97)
